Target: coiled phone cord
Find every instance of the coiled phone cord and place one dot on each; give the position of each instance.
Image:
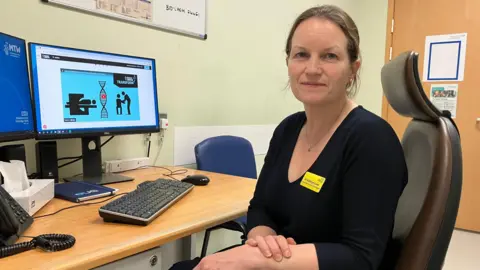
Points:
(48, 242)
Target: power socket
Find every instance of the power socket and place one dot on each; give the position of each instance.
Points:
(163, 119)
(121, 165)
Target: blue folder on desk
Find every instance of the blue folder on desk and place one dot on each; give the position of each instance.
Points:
(82, 191)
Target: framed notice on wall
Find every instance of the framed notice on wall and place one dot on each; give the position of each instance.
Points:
(184, 16)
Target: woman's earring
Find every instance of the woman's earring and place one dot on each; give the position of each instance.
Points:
(350, 82)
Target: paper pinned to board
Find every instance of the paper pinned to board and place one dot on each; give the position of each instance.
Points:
(444, 97)
(444, 58)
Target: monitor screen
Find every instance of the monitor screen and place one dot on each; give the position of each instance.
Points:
(81, 93)
(16, 120)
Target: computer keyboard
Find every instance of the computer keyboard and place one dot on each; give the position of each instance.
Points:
(147, 202)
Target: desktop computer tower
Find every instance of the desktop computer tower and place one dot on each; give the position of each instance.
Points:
(47, 165)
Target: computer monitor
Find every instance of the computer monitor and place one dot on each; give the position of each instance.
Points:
(16, 120)
(86, 94)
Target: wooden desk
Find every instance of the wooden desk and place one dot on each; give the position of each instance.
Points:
(98, 243)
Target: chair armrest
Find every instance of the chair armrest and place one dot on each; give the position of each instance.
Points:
(234, 226)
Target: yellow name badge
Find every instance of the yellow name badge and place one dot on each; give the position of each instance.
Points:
(313, 182)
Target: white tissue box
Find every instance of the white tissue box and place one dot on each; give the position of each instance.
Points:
(40, 192)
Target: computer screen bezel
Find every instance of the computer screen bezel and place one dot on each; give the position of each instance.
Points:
(126, 131)
(21, 135)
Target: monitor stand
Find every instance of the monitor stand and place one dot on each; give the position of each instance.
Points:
(92, 165)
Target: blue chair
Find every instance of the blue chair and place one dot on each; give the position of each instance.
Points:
(228, 155)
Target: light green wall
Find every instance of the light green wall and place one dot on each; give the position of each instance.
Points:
(239, 71)
(371, 19)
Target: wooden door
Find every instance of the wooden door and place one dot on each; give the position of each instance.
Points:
(413, 21)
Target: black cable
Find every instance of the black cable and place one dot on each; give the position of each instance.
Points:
(67, 158)
(105, 142)
(78, 205)
(71, 162)
(148, 149)
(149, 143)
(48, 242)
(16, 248)
(78, 158)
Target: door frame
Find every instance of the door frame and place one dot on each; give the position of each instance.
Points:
(388, 45)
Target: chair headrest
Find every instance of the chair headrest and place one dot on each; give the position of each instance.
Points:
(403, 89)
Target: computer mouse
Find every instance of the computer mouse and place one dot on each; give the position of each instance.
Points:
(197, 180)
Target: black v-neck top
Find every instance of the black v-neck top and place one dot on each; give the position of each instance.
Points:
(350, 220)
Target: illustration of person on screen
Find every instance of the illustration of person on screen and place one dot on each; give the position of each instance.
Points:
(126, 99)
(119, 105)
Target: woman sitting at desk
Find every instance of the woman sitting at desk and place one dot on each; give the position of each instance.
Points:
(333, 174)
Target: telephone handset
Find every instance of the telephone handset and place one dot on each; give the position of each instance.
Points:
(14, 221)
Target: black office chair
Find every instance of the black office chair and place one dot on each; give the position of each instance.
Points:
(428, 208)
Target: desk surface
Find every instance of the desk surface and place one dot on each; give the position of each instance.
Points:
(98, 242)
